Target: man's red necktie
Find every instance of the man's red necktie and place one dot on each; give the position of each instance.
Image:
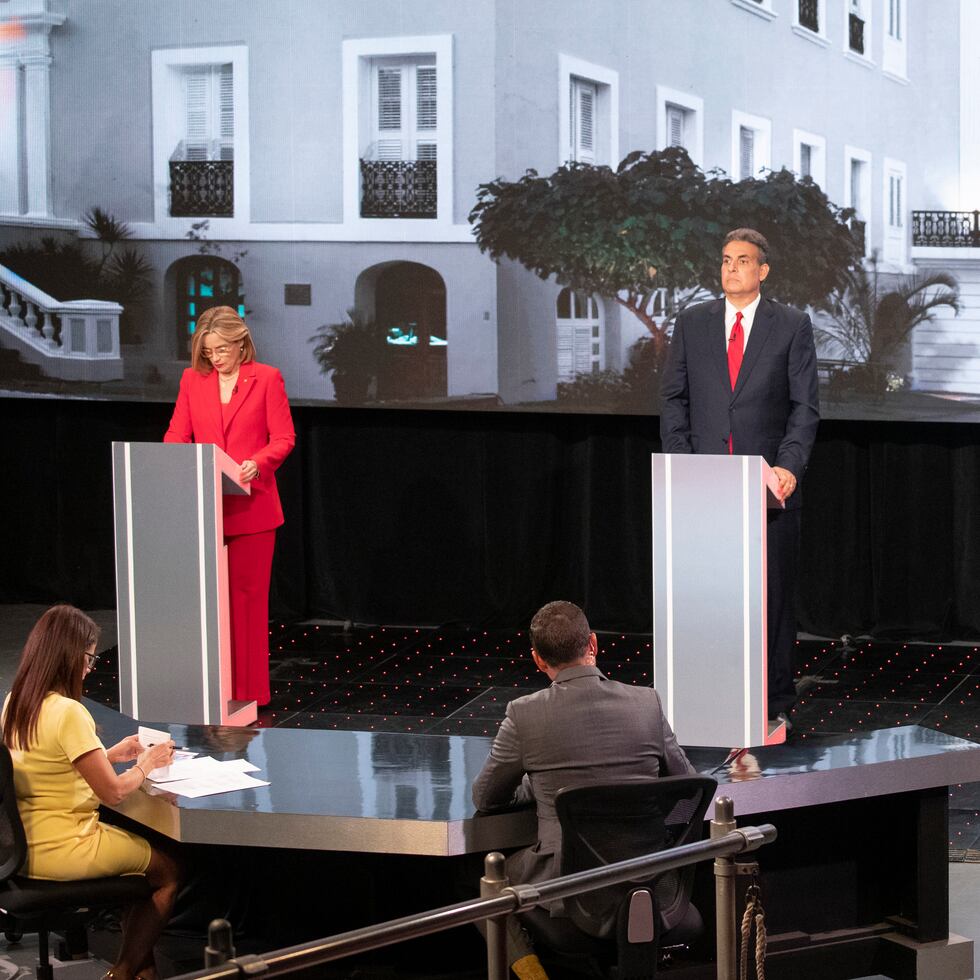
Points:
(735, 345)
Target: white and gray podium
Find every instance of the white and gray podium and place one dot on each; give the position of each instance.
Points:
(709, 597)
(172, 583)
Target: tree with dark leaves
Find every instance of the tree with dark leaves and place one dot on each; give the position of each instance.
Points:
(657, 222)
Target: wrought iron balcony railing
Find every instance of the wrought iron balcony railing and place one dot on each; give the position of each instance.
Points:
(398, 188)
(201, 188)
(809, 15)
(856, 34)
(957, 229)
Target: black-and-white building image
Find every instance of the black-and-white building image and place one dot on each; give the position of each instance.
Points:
(304, 164)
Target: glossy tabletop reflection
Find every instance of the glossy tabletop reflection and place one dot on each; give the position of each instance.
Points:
(410, 794)
(329, 790)
(375, 734)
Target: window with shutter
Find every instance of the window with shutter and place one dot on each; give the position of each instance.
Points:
(895, 200)
(226, 113)
(406, 113)
(425, 97)
(746, 152)
(579, 335)
(806, 167)
(857, 190)
(389, 98)
(675, 125)
(583, 109)
(895, 19)
(196, 114)
(209, 113)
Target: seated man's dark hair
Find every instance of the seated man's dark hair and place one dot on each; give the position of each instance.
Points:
(560, 633)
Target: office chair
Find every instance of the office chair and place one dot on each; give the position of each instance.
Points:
(627, 923)
(36, 905)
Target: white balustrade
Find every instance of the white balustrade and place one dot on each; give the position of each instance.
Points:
(48, 332)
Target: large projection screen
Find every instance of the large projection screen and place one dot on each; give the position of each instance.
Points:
(315, 166)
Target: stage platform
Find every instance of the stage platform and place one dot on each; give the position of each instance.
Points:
(456, 681)
(375, 736)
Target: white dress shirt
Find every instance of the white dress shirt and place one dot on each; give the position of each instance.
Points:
(748, 315)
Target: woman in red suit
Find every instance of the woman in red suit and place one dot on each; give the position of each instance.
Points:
(229, 399)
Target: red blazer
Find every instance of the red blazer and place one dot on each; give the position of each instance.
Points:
(259, 427)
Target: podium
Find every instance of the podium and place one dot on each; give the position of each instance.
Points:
(709, 597)
(172, 583)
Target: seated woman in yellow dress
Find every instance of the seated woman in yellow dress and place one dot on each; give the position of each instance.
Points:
(62, 771)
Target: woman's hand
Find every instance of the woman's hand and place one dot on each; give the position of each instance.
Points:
(156, 756)
(249, 471)
(126, 750)
(112, 787)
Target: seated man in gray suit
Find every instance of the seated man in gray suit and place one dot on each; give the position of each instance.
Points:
(583, 728)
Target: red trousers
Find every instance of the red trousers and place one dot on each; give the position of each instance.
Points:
(249, 574)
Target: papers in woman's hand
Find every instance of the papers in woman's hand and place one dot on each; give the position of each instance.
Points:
(151, 736)
(205, 776)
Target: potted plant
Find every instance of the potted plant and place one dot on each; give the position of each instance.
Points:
(353, 353)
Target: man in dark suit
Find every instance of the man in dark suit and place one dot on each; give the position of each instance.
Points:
(583, 728)
(741, 377)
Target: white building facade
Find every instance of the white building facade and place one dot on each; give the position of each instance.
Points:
(297, 159)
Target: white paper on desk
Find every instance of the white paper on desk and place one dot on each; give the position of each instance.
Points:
(185, 769)
(214, 782)
(238, 765)
(194, 768)
(151, 736)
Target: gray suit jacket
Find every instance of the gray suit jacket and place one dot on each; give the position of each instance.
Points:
(584, 728)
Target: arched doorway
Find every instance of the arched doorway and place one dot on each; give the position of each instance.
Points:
(410, 303)
(203, 281)
(579, 334)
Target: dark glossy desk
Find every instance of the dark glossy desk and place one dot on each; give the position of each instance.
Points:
(856, 884)
(410, 794)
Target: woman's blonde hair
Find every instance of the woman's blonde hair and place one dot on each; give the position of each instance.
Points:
(228, 327)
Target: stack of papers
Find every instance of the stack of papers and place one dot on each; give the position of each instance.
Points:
(192, 775)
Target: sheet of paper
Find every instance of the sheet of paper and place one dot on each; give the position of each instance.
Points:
(186, 769)
(151, 736)
(213, 782)
(195, 767)
(238, 765)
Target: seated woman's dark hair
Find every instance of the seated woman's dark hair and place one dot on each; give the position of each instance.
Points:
(53, 659)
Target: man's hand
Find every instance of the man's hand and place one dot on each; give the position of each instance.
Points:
(787, 482)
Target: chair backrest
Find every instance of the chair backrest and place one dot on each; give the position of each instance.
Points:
(606, 822)
(13, 841)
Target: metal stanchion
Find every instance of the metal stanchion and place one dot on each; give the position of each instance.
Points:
(494, 880)
(220, 947)
(723, 823)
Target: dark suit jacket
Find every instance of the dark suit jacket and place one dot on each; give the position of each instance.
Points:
(773, 411)
(584, 728)
(259, 427)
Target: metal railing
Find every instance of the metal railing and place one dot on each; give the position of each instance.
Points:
(726, 841)
(956, 229)
(399, 188)
(202, 180)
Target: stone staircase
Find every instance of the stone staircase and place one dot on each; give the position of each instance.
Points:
(76, 341)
